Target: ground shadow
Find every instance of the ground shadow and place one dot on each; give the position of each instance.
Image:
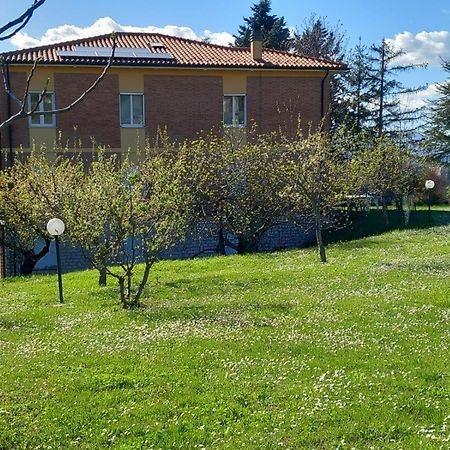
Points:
(365, 224)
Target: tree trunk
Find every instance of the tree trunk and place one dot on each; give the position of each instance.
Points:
(319, 237)
(382, 75)
(221, 243)
(102, 276)
(123, 300)
(30, 259)
(246, 246)
(143, 283)
(128, 291)
(408, 207)
(28, 263)
(384, 210)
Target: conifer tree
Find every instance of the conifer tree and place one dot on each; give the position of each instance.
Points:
(357, 88)
(320, 40)
(438, 132)
(274, 31)
(388, 113)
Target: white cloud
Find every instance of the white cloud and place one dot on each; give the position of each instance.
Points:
(419, 99)
(220, 38)
(425, 47)
(106, 25)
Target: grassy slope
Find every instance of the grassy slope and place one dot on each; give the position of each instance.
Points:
(264, 351)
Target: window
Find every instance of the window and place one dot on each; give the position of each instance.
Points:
(47, 104)
(234, 111)
(132, 110)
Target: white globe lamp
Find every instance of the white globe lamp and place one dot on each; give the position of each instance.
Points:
(56, 228)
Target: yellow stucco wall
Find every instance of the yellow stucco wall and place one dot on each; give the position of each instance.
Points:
(42, 77)
(131, 80)
(234, 83)
(42, 137)
(133, 140)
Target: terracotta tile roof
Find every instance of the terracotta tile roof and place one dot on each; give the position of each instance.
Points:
(185, 52)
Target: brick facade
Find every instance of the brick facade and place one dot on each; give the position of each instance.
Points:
(19, 130)
(97, 116)
(185, 105)
(274, 102)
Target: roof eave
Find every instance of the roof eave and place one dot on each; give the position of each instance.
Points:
(181, 66)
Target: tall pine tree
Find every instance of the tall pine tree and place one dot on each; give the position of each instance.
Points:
(320, 40)
(357, 87)
(438, 132)
(389, 115)
(274, 31)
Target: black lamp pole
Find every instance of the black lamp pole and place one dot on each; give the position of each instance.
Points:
(58, 266)
(56, 227)
(429, 184)
(2, 250)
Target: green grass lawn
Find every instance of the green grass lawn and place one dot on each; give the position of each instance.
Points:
(265, 351)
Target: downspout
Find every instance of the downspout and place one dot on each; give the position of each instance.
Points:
(10, 158)
(10, 162)
(322, 96)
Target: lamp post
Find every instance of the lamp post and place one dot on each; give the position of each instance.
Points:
(429, 184)
(2, 249)
(55, 228)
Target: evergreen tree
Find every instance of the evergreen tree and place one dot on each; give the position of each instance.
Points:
(274, 31)
(357, 89)
(438, 132)
(388, 114)
(320, 40)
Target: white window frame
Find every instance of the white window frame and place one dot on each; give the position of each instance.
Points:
(132, 125)
(40, 109)
(233, 112)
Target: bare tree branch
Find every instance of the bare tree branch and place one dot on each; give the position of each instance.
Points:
(6, 85)
(24, 112)
(27, 88)
(21, 21)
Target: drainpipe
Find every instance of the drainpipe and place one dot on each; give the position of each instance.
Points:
(10, 161)
(322, 95)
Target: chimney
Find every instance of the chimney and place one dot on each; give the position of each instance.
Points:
(256, 45)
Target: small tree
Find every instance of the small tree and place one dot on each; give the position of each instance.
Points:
(236, 189)
(34, 190)
(128, 214)
(24, 224)
(208, 176)
(258, 204)
(387, 169)
(316, 170)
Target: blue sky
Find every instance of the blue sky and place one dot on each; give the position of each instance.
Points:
(422, 28)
